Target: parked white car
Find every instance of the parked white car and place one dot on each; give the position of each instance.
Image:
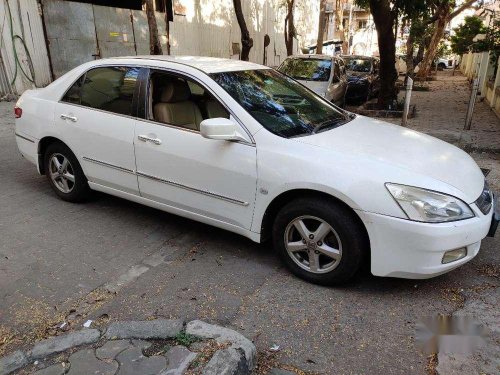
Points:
(323, 74)
(245, 148)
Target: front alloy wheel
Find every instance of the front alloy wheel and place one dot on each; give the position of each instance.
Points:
(320, 240)
(313, 244)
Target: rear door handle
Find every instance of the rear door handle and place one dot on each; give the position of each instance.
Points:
(70, 118)
(145, 138)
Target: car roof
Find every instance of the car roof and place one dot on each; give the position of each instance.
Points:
(360, 57)
(203, 63)
(313, 56)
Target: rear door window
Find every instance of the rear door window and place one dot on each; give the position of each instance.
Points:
(307, 69)
(73, 94)
(106, 88)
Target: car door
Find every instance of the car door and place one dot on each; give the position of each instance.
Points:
(376, 77)
(96, 118)
(338, 84)
(176, 166)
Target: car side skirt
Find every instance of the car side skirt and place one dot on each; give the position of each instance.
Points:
(176, 211)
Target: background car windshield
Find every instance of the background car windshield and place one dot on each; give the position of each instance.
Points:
(358, 65)
(307, 69)
(280, 104)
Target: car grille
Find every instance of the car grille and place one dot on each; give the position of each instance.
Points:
(485, 200)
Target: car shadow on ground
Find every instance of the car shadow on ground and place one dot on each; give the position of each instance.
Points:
(362, 281)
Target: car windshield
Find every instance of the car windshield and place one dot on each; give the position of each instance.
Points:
(358, 65)
(282, 105)
(307, 69)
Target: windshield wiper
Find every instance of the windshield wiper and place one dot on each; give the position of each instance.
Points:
(328, 124)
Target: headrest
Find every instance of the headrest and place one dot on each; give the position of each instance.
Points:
(175, 91)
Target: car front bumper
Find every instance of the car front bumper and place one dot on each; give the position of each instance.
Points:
(357, 91)
(414, 250)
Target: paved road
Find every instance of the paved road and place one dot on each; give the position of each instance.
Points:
(57, 257)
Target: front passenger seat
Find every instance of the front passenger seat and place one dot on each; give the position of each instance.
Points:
(215, 109)
(176, 108)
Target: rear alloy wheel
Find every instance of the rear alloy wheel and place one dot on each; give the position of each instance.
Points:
(65, 174)
(62, 173)
(320, 240)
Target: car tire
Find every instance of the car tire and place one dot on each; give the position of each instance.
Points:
(369, 94)
(65, 174)
(344, 233)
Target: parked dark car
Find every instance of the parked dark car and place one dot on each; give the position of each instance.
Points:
(362, 77)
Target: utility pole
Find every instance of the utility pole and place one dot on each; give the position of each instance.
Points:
(472, 100)
(351, 5)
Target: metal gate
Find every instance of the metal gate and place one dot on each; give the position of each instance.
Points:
(5, 87)
(80, 32)
(71, 34)
(114, 30)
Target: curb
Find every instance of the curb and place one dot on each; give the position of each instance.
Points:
(237, 359)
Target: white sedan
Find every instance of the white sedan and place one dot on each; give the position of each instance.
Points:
(243, 147)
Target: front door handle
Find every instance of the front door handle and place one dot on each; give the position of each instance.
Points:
(145, 138)
(70, 118)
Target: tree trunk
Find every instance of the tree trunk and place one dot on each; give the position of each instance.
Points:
(246, 41)
(289, 27)
(339, 16)
(410, 48)
(420, 52)
(383, 18)
(430, 54)
(444, 15)
(154, 40)
(321, 26)
(167, 29)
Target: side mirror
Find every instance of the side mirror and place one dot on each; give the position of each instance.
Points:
(221, 129)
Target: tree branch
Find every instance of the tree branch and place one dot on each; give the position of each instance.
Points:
(460, 9)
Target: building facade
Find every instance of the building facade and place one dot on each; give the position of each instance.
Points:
(43, 39)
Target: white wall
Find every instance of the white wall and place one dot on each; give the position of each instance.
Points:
(26, 23)
(209, 28)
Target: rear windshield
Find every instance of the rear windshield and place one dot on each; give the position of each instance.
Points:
(358, 65)
(280, 104)
(307, 69)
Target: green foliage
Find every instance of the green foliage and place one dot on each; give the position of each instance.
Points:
(405, 8)
(462, 41)
(491, 42)
(185, 339)
(443, 50)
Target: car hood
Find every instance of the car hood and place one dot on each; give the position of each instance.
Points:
(421, 155)
(357, 76)
(319, 87)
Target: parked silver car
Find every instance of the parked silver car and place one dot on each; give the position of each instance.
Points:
(323, 74)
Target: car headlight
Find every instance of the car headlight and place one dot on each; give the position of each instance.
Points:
(429, 206)
(360, 81)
